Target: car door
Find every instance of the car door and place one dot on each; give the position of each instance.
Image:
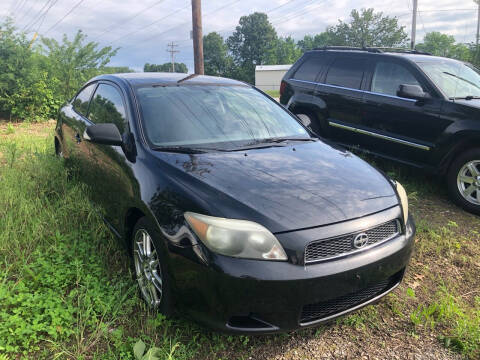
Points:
(73, 123)
(398, 127)
(341, 91)
(110, 175)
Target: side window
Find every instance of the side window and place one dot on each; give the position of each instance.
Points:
(80, 104)
(346, 72)
(388, 77)
(310, 68)
(107, 107)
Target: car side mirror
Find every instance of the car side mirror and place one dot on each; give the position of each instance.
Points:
(106, 134)
(411, 92)
(305, 120)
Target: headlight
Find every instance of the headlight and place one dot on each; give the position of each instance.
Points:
(402, 194)
(237, 238)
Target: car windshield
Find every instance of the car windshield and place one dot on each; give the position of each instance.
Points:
(454, 78)
(221, 116)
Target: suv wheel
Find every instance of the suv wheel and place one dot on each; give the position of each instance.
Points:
(464, 180)
(150, 267)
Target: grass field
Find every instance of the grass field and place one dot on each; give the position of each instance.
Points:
(273, 93)
(66, 290)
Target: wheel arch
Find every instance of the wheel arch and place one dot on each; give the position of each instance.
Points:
(460, 143)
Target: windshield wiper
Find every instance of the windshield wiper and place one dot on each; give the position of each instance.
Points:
(468, 97)
(463, 79)
(282, 139)
(181, 149)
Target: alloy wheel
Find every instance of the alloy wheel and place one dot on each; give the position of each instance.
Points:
(147, 268)
(468, 181)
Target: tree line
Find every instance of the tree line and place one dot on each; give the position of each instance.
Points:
(256, 42)
(35, 79)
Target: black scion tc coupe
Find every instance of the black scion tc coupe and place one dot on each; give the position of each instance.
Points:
(234, 213)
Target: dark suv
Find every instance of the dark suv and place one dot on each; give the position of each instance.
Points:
(406, 106)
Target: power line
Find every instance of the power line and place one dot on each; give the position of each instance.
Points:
(45, 15)
(130, 18)
(152, 23)
(64, 16)
(37, 16)
(176, 26)
(25, 15)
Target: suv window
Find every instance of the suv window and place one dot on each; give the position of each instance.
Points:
(107, 107)
(388, 77)
(80, 104)
(310, 68)
(346, 72)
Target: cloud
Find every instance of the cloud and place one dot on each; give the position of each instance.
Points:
(143, 37)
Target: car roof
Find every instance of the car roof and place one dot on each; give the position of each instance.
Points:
(159, 78)
(406, 55)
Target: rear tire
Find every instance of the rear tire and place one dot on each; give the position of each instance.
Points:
(150, 267)
(464, 180)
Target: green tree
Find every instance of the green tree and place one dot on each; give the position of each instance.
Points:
(368, 28)
(440, 44)
(251, 44)
(284, 52)
(116, 69)
(74, 62)
(15, 65)
(167, 67)
(310, 42)
(218, 61)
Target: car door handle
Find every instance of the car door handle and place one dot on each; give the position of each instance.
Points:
(78, 138)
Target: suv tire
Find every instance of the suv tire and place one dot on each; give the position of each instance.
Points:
(150, 267)
(464, 180)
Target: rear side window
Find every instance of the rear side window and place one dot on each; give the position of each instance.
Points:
(388, 77)
(107, 107)
(346, 72)
(310, 68)
(80, 104)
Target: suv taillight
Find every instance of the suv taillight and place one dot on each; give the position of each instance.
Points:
(283, 86)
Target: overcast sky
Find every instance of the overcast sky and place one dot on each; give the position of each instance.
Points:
(142, 28)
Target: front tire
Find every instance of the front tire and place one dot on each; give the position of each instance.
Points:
(464, 180)
(150, 267)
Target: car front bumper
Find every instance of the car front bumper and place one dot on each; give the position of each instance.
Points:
(251, 296)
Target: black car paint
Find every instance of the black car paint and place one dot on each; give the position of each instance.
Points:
(301, 192)
(446, 127)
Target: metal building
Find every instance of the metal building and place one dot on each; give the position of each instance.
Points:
(268, 77)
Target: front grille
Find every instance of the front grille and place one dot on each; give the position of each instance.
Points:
(324, 309)
(324, 249)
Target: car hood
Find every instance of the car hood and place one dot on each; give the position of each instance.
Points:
(284, 188)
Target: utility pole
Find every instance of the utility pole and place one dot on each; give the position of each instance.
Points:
(414, 24)
(172, 52)
(478, 29)
(197, 36)
(478, 20)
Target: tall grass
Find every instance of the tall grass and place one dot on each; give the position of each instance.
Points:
(65, 286)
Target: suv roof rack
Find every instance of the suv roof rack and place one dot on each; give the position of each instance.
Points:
(374, 49)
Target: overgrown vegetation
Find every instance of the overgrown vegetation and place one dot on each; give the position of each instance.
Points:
(66, 290)
(36, 78)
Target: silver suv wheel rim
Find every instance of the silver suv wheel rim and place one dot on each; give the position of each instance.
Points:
(468, 182)
(147, 268)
